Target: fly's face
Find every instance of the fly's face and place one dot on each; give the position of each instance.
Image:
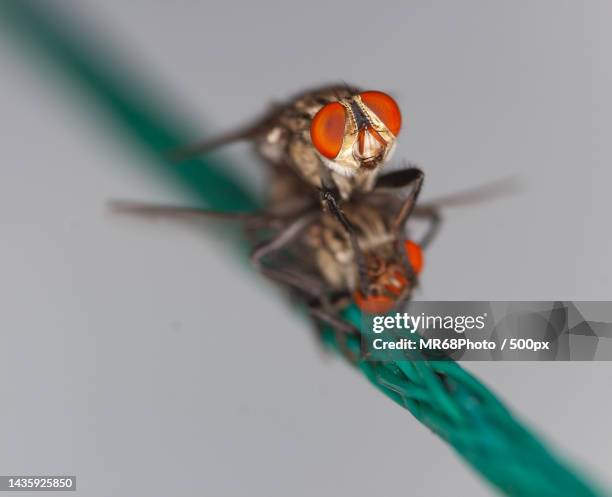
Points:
(356, 135)
(388, 280)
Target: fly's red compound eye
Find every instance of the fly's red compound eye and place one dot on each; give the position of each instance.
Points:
(327, 129)
(415, 255)
(373, 304)
(385, 109)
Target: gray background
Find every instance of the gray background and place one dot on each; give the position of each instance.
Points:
(115, 332)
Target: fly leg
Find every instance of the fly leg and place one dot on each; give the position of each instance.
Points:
(308, 285)
(432, 214)
(145, 209)
(332, 205)
(333, 320)
(396, 182)
(411, 177)
(320, 308)
(286, 234)
(330, 200)
(483, 193)
(343, 330)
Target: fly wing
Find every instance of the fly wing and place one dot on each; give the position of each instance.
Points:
(483, 193)
(302, 105)
(246, 133)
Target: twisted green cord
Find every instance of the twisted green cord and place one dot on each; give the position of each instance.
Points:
(462, 411)
(441, 395)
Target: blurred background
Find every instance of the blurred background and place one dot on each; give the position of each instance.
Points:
(143, 357)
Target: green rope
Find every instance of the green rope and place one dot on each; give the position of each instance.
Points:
(440, 394)
(462, 411)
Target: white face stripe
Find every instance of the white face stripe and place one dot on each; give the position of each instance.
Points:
(347, 172)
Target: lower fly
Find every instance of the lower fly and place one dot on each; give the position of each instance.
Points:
(310, 252)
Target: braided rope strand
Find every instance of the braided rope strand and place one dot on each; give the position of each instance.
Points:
(463, 412)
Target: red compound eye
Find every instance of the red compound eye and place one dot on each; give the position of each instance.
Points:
(373, 304)
(327, 129)
(415, 255)
(385, 109)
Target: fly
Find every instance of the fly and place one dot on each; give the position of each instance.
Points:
(335, 138)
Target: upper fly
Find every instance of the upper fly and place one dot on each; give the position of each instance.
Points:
(335, 138)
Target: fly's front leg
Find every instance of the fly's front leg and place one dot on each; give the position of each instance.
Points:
(249, 221)
(416, 183)
(435, 221)
(330, 200)
(464, 198)
(396, 182)
(433, 216)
